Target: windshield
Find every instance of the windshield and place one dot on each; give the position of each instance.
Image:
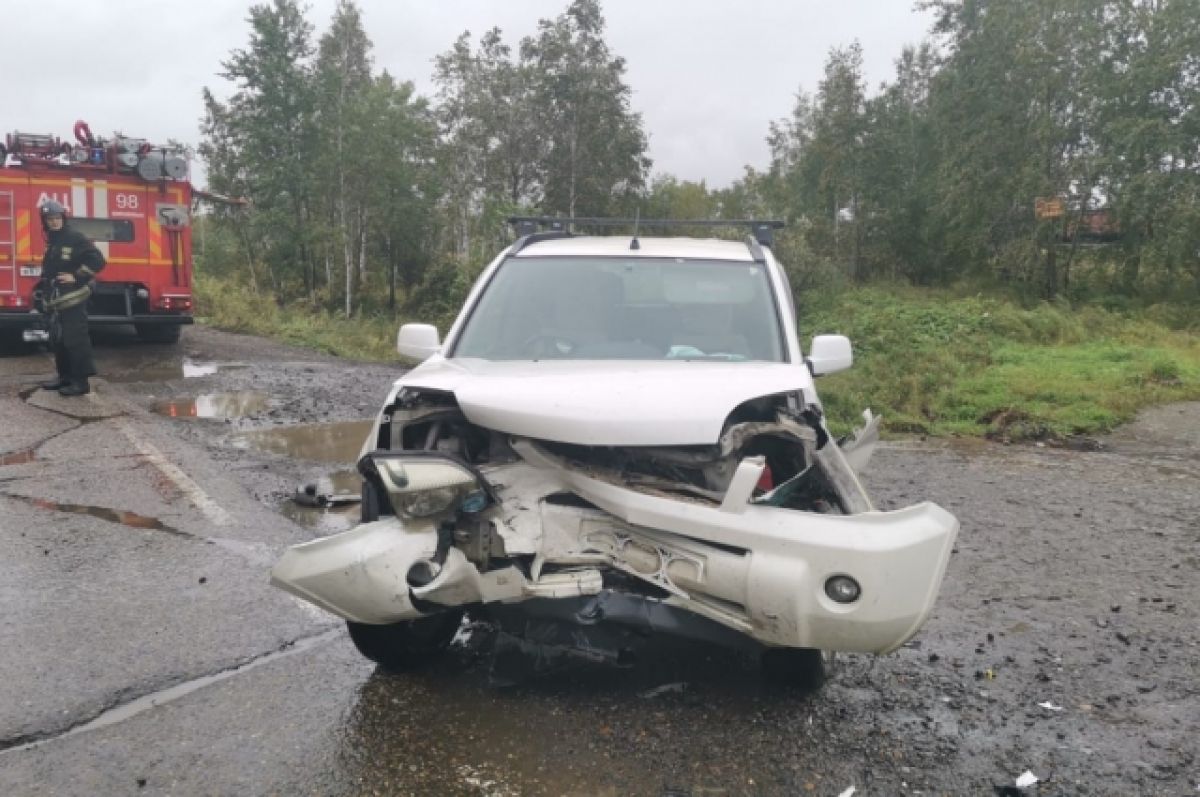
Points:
(609, 308)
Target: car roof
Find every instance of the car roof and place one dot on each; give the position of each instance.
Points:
(618, 246)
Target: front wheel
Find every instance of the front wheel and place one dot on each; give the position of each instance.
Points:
(159, 333)
(406, 645)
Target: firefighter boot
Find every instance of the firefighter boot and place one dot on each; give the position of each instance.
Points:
(76, 387)
(56, 384)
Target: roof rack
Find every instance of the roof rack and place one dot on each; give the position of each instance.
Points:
(763, 230)
(533, 237)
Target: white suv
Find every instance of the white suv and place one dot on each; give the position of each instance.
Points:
(622, 434)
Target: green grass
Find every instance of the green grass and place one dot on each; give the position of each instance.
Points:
(929, 362)
(937, 364)
(227, 305)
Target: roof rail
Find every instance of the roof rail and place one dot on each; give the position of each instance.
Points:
(533, 238)
(763, 230)
(756, 251)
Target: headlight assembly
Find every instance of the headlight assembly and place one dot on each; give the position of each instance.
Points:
(424, 486)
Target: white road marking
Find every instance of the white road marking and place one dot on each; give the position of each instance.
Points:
(153, 700)
(213, 511)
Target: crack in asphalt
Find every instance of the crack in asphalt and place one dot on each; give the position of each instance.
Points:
(120, 709)
(32, 450)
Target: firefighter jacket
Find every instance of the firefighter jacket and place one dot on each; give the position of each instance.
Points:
(69, 251)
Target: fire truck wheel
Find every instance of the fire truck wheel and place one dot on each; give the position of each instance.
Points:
(159, 333)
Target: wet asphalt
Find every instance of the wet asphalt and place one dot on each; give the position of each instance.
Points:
(142, 650)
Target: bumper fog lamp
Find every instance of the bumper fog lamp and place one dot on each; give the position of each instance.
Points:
(842, 589)
(425, 486)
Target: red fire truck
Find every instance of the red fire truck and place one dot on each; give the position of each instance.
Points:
(131, 197)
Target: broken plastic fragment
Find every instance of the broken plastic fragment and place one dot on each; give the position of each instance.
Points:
(679, 686)
(849, 792)
(1026, 780)
(1050, 706)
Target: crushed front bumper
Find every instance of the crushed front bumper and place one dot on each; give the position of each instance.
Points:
(759, 570)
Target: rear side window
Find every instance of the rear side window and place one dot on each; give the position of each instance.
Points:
(115, 230)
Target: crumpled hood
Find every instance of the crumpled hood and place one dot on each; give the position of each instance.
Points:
(606, 402)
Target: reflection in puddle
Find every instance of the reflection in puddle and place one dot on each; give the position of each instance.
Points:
(18, 457)
(325, 442)
(192, 370)
(214, 405)
(166, 371)
(131, 519)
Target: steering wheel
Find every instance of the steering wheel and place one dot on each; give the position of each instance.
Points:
(549, 344)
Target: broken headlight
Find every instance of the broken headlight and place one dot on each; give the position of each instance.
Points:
(425, 486)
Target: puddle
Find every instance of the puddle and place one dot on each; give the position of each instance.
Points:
(18, 457)
(331, 519)
(166, 371)
(214, 405)
(131, 519)
(325, 442)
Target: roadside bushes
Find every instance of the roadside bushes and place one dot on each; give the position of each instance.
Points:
(439, 296)
(226, 304)
(931, 362)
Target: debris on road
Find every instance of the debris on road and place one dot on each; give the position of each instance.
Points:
(311, 495)
(1026, 780)
(678, 687)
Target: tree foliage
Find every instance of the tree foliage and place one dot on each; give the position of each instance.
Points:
(935, 178)
(364, 194)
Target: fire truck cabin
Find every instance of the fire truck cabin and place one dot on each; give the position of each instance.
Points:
(132, 198)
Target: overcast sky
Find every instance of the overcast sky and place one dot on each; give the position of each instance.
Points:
(707, 75)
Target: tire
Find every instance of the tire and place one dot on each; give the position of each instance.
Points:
(159, 333)
(803, 668)
(369, 507)
(408, 645)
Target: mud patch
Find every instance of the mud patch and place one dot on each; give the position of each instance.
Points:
(239, 404)
(325, 442)
(124, 518)
(19, 457)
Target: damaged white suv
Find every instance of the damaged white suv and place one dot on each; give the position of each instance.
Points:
(621, 435)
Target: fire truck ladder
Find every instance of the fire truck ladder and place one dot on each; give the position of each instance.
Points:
(8, 244)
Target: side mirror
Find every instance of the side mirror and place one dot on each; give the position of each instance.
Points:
(418, 341)
(829, 354)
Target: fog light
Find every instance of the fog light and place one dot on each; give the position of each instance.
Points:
(842, 589)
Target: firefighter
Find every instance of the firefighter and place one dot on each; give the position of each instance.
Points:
(68, 269)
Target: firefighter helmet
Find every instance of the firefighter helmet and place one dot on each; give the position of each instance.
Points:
(51, 208)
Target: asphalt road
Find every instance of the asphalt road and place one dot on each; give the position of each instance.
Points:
(143, 652)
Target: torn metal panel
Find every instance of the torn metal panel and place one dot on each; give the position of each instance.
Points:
(859, 446)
